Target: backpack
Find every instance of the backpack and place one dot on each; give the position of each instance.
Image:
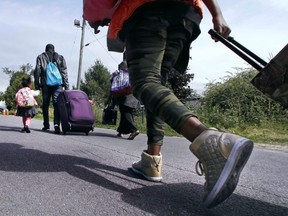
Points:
(53, 76)
(120, 84)
(25, 98)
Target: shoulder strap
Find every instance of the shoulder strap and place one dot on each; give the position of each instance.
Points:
(48, 59)
(53, 57)
(53, 60)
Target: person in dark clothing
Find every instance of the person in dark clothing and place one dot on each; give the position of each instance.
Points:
(50, 91)
(127, 104)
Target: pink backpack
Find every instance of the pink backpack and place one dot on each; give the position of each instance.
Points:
(25, 98)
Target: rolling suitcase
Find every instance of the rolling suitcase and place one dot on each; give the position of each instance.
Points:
(75, 111)
(272, 79)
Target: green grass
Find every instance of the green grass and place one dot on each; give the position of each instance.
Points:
(270, 134)
(140, 121)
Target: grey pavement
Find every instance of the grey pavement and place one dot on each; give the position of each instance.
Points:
(42, 173)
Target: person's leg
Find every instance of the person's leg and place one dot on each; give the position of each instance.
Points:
(156, 53)
(56, 120)
(27, 120)
(23, 122)
(46, 96)
(146, 48)
(27, 123)
(221, 155)
(131, 122)
(155, 133)
(122, 124)
(127, 123)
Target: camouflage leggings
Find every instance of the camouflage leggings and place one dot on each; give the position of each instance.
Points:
(153, 45)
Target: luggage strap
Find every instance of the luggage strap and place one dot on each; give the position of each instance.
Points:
(240, 50)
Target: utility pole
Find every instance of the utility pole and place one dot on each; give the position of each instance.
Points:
(81, 53)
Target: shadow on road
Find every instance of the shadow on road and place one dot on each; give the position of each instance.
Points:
(186, 199)
(10, 129)
(158, 199)
(51, 131)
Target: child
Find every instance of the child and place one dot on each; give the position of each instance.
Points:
(26, 103)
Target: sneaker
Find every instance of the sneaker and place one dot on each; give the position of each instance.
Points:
(57, 129)
(133, 135)
(26, 128)
(150, 166)
(222, 156)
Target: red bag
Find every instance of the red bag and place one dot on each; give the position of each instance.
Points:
(99, 10)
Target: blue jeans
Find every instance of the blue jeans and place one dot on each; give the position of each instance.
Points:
(47, 93)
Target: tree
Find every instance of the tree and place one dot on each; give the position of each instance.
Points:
(1, 95)
(235, 101)
(15, 83)
(97, 83)
(26, 68)
(179, 84)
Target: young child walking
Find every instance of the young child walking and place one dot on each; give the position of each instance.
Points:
(26, 103)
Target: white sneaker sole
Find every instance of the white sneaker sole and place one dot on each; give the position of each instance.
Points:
(236, 161)
(154, 179)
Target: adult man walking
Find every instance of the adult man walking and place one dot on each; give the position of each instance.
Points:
(48, 90)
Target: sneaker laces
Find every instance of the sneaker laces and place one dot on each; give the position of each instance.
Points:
(157, 164)
(199, 168)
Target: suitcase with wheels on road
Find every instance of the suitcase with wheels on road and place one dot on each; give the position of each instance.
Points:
(75, 111)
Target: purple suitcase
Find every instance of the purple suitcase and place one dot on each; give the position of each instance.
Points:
(75, 111)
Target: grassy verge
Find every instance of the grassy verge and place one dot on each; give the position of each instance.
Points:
(270, 134)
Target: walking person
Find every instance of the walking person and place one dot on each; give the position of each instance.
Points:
(26, 103)
(127, 104)
(49, 91)
(157, 36)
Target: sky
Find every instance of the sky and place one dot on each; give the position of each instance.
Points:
(27, 26)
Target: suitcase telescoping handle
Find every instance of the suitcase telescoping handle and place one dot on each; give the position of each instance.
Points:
(240, 50)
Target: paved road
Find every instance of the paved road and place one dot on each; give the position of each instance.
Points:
(46, 174)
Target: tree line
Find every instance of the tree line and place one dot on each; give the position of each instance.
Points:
(231, 102)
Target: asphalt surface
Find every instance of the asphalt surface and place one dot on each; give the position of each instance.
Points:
(42, 173)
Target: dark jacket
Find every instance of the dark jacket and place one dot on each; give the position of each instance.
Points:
(41, 63)
(127, 100)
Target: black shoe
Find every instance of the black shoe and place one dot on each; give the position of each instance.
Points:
(45, 129)
(119, 135)
(27, 129)
(57, 129)
(22, 130)
(133, 135)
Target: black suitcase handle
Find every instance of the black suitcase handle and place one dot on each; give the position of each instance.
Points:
(240, 50)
